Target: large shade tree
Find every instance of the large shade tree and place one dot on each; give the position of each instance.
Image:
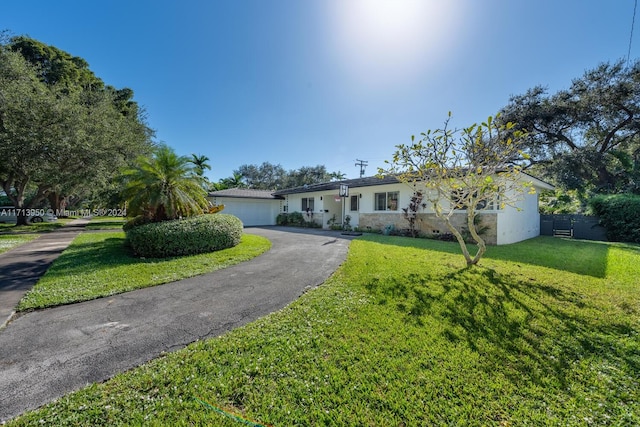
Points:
(63, 132)
(585, 137)
(164, 186)
(461, 171)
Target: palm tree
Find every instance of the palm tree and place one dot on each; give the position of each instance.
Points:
(164, 187)
(235, 181)
(200, 163)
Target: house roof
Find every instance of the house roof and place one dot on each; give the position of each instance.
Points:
(335, 185)
(244, 193)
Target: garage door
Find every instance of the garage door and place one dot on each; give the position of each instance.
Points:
(252, 212)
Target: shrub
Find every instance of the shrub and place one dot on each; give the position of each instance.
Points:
(204, 233)
(135, 222)
(619, 215)
(293, 218)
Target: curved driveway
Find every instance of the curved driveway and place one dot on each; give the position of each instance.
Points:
(48, 353)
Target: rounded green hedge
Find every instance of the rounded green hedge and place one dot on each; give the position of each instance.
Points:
(196, 235)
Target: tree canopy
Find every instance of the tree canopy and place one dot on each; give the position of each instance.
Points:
(586, 137)
(62, 132)
(268, 176)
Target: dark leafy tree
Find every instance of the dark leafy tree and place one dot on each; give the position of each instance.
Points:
(64, 135)
(266, 176)
(308, 175)
(585, 137)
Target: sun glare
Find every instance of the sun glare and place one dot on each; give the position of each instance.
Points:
(390, 37)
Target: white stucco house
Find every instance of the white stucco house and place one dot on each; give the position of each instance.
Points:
(375, 204)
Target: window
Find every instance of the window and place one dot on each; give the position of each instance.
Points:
(460, 197)
(307, 204)
(386, 201)
(354, 203)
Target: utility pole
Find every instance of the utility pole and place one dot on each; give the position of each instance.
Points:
(362, 164)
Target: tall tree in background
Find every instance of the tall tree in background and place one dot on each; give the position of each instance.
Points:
(307, 175)
(586, 137)
(63, 132)
(268, 176)
(200, 163)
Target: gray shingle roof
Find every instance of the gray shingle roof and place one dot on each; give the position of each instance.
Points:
(335, 185)
(244, 193)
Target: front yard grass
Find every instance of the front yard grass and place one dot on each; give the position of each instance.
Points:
(10, 241)
(97, 265)
(545, 332)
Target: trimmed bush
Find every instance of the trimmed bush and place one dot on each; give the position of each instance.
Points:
(135, 222)
(620, 215)
(196, 235)
(293, 218)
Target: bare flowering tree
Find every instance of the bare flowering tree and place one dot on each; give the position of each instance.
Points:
(463, 171)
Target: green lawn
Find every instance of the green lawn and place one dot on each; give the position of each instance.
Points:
(7, 228)
(10, 241)
(106, 223)
(97, 265)
(545, 332)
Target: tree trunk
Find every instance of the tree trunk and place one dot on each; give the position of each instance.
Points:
(21, 218)
(482, 246)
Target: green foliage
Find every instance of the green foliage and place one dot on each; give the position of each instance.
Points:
(164, 187)
(200, 234)
(268, 176)
(62, 132)
(135, 222)
(560, 202)
(585, 137)
(295, 219)
(620, 215)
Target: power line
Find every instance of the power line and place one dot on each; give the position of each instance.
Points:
(633, 21)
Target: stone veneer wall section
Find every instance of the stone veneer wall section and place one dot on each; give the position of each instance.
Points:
(429, 224)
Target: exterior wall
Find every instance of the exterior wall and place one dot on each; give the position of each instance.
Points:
(504, 226)
(516, 225)
(429, 224)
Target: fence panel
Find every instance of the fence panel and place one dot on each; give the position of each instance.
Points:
(576, 226)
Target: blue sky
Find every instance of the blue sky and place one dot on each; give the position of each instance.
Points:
(308, 82)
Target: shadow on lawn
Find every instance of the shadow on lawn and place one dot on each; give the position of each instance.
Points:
(525, 330)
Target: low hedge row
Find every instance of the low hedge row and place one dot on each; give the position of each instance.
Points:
(200, 234)
(620, 215)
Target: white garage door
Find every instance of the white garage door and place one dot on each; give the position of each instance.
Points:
(252, 212)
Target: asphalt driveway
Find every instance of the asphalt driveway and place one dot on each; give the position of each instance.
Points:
(48, 353)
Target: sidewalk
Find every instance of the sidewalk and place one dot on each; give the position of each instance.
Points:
(21, 267)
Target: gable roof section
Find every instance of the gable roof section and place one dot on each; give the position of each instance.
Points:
(244, 193)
